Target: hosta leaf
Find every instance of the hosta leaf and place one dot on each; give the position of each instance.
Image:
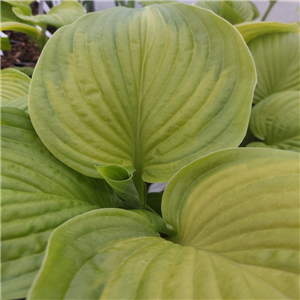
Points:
(14, 89)
(121, 181)
(23, 5)
(147, 89)
(233, 11)
(5, 44)
(26, 70)
(21, 27)
(38, 193)
(63, 14)
(276, 56)
(9, 21)
(250, 31)
(146, 2)
(275, 121)
(236, 213)
(154, 201)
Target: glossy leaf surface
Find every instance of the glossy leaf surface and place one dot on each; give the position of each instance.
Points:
(275, 121)
(233, 11)
(276, 56)
(148, 89)
(60, 15)
(14, 89)
(38, 193)
(236, 214)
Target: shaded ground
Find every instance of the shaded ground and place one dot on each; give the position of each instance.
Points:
(24, 51)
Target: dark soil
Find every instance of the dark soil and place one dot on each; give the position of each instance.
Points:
(24, 51)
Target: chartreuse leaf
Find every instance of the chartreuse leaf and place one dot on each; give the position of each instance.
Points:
(233, 11)
(23, 5)
(250, 31)
(9, 21)
(63, 14)
(21, 27)
(275, 121)
(147, 89)
(38, 193)
(236, 214)
(121, 181)
(276, 56)
(14, 89)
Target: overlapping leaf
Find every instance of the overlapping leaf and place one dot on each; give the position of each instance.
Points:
(9, 20)
(23, 5)
(275, 49)
(233, 11)
(14, 89)
(63, 14)
(148, 89)
(38, 193)
(251, 30)
(236, 214)
(275, 121)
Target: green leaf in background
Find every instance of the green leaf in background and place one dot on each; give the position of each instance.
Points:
(275, 121)
(38, 193)
(276, 56)
(236, 214)
(251, 30)
(26, 70)
(147, 89)
(21, 27)
(233, 11)
(23, 5)
(154, 201)
(63, 14)
(146, 2)
(5, 44)
(121, 181)
(9, 21)
(14, 89)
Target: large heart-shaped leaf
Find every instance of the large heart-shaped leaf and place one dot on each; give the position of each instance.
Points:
(63, 14)
(276, 56)
(148, 89)
(14, 89)
(275, 121)
(233, 11)
(38, 193)
(236, 217)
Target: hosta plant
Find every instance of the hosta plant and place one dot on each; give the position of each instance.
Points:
(128, 96)
(275, 117)
(17, 16)
(234, 12)
(14, 89)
